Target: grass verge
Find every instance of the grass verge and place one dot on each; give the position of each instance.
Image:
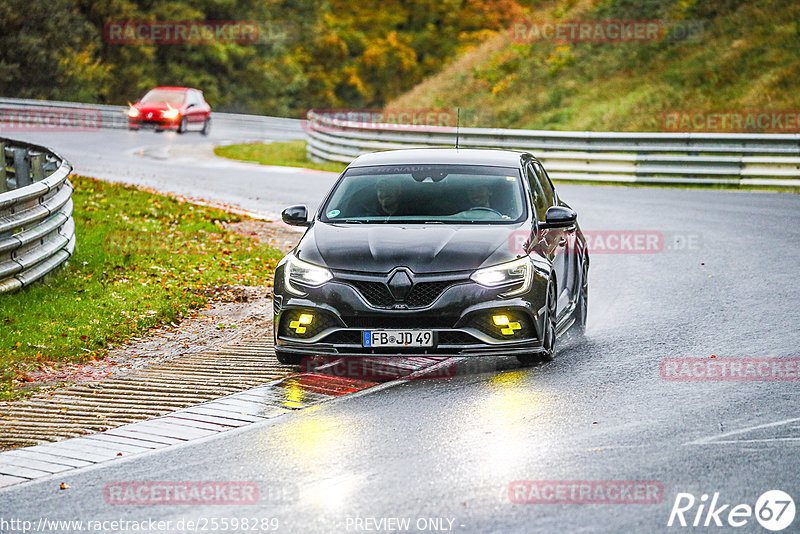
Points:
(289, 154)
(142, 260)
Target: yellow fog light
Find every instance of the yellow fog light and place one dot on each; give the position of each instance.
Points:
(500, 320)
(503, 320)
(299, 325)
(511, 328)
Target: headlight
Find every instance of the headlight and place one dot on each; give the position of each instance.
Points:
(169, 113)
(133, 113)
(301, 272)
(505, 274)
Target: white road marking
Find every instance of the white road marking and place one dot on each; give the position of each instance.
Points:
(717, 438)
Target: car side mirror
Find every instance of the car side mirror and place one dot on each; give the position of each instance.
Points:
(559, 217)
(296, 216)
(190, 106)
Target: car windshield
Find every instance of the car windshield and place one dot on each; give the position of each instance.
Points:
(427, 194)
(168, 97)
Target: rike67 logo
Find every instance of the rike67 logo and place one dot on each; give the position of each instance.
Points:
(774, 510)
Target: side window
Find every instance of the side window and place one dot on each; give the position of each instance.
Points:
(539, 201)
(192, 98)
(547, 187)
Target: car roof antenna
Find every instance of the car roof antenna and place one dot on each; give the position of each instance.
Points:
(458, 123)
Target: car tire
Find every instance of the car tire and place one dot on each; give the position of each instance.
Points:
(581, 311)
(182, 126)
(206, 127)
(549, 334)
(288, 358)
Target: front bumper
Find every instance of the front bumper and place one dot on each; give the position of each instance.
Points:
(459, 317)
(154, 124)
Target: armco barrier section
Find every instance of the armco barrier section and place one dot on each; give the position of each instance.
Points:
(673, 158)
(37, 232)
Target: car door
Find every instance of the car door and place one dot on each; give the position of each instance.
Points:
(546, 240)
(194, 111)
(558, 241)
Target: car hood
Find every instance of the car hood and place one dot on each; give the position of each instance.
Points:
(154, 106)
(379, 248)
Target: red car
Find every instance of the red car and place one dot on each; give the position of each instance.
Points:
(171, 108)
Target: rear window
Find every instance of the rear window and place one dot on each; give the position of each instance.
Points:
(427, 193)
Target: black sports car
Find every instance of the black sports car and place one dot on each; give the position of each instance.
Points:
(433, 252)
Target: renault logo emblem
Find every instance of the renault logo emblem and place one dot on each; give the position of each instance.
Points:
(400, 285)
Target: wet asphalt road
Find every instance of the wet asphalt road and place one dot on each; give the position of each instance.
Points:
(168, 162)
(450, 448)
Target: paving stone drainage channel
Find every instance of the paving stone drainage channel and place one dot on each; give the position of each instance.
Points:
(170, 403)
(148, 392)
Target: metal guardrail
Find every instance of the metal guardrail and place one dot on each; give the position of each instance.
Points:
(667, 158)
(37, 232)
(53, 115)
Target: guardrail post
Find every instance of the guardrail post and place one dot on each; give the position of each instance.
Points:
(37, 167)
(3, 174)
(22, 169)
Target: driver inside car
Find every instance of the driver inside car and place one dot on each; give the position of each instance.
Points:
(389, 193)
(480, 196)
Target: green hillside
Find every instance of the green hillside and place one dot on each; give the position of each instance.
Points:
(747, 58)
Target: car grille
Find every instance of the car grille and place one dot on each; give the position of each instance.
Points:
(343, 337)
(376, 293)
(422, 294)
(399, 322)
(456, 338)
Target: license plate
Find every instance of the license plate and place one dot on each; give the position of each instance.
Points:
(398, 338)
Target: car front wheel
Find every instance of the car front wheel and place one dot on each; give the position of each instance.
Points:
(183, 125)
(548, 331)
